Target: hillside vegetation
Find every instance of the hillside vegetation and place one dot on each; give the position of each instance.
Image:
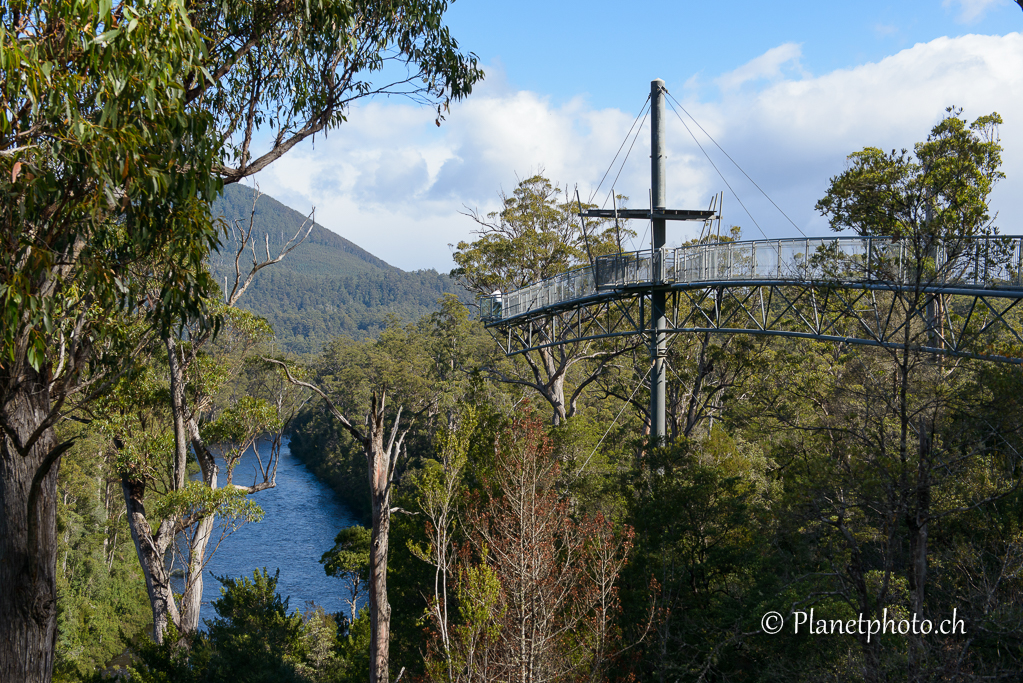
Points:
(326, 287)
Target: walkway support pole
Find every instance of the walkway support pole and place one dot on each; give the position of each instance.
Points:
(658, 338)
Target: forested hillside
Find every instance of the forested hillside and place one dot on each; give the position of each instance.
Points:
(327, 286)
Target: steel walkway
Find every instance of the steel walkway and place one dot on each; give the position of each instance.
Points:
(958, 297)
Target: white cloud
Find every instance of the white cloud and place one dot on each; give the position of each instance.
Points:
(796, 133)
(393, 183)
(766, 66)
(972, 10)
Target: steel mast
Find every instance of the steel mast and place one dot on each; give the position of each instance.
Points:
(658, 338)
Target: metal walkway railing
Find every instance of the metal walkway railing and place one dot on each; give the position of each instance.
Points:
(969, 264)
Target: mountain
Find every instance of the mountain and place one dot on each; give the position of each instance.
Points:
(328, 286)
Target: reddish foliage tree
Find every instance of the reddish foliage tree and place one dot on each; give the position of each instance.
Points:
(536, 589)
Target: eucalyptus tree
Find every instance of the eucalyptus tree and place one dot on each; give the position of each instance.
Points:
(119, 123)
(166, 511)
(901, 442)
(104, 176)
(163, 503)
(382, 452)
(277, 72)
(536, 235)
(199, 363)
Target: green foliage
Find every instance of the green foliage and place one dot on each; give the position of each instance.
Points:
(702, 544)
(939, 190)
(294, 69)
(169, 662)
(480, 604)
(427, 367)
(348, 560)
(254, 639)
(108, 177)
(334, 653)
(482, 611)
(232, 506)
(101, 595)
(536, 235)
(438, 486)
(350, 554)
(353, 651)
(239, 422)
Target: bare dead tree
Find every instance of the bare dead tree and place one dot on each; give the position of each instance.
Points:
(382, 461)
(244, 236)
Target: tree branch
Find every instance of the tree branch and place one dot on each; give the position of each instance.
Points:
(345, 422)
(246, 240)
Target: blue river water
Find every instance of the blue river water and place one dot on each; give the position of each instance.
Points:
(302, 518)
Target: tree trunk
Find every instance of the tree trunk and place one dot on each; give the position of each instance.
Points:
(919, 522)
(178, 412)
(379, 486)
(380, 464)
(28, 534)
(918, 518)
(557, 400)
(380, 609)
(554, 389)
(191, 600)
(151, 552)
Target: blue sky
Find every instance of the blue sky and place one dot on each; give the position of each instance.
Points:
(609, 50)
(788, 89)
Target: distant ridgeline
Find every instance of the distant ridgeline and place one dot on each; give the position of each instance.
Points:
(328, 286)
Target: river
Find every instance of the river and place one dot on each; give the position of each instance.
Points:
(302, 518)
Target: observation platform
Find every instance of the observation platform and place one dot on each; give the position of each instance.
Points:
(790, 287)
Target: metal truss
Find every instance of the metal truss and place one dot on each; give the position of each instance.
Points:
(948, 321)
(601, 318)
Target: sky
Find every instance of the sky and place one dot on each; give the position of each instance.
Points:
(787, 89)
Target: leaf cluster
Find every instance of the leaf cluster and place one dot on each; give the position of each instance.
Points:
(940, 189)
(104, 175)
(536, 235)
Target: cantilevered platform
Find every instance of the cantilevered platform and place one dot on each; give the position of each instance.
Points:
(805, 287)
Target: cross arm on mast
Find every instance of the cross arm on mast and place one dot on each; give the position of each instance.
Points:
(648, 214)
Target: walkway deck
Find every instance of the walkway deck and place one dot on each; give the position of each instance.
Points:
(961, 266)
